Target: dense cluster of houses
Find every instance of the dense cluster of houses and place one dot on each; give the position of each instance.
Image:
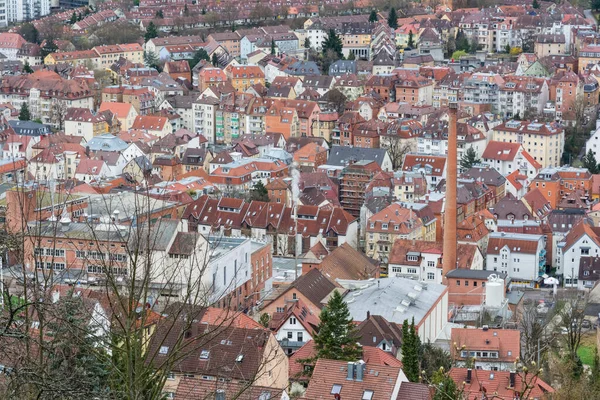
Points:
(295, 181)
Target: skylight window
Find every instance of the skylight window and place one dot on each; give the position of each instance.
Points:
(367, 395)
(336, 389)
(163, 350)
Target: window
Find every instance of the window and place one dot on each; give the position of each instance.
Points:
(280, 309)
(412, 258)
(336, 389)
(384, 226)
(367, 395)
(430, 276)
(475, 283)
(163, 350)
(431, 264)
(585, 252)
(293, 320)
(204, 354)
(290, 335)
(457, 282)
(466, 283)
(412, 270)
(300, 337)
(294, 296)
(171, 376)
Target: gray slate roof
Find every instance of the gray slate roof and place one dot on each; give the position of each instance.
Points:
(342, 156)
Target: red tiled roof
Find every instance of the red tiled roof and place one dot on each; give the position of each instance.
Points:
(498, 383)
(502, 151)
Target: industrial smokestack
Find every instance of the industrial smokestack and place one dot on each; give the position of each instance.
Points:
(449, 251)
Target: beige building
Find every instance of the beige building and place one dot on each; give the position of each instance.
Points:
(546, 45)
(391, 223)
(544, 142)
(124, 112)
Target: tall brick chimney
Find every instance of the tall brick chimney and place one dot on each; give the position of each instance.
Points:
(450, 239)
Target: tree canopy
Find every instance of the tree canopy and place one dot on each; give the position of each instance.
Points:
(333, 42)
(201, 54)
(24, 114)
(589, 162)
(392, 19)
(411, 348)
(469, 159)
(373, 16)
(259, 192)
(151, 31)
(337, 338)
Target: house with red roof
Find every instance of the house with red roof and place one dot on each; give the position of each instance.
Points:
(387, 226)
(508, 157)
(505, 385)
(125, 112)
(493, 349)
(517, 183)
(522, 257)
(361, 380)
(89, 170)
(155, 125)
(10, 44)
(580, 247)
(294, 327)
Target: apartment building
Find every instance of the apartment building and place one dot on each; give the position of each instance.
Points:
(353, 182)
(391, 223)
(522, 257)
(578, 253)
(47, 94)
(522, 97)
(544, 142)
(558, 183)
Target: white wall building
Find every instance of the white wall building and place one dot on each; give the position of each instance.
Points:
(521, 256)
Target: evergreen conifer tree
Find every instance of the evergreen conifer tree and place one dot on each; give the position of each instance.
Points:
(24, 114)
(373, 16)
(411, 345)
(393, 19)
(336, 339)
(469, 159)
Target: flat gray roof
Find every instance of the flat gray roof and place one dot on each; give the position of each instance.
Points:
(473, 274)
(391, 298)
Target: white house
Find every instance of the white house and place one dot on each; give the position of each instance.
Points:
(508, 157)
(521, 256)
(593, 143)
(295, 326)
(583, 241)
(89, 170)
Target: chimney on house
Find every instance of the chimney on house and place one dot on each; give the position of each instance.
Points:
(512, 380)
(449, 250)
(360, 370)
(350, 375)
(469, 372)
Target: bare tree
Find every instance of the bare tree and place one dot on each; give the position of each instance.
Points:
(397, 148)
(138, 281)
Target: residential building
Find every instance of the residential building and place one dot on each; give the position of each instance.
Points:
(578, 252)
(522, 97)
(492, 349)
(47, 94)
(510, 157)
(400, 299)
(522, 257)
(353, 181)
(433, 167)
(544, 142)
(255, 360)
(477, 382)
(385, 227)
(558, 183)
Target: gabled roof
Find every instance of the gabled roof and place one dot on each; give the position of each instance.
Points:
(498, 382)
(347, 263)
(582, 228)
(502, 151)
